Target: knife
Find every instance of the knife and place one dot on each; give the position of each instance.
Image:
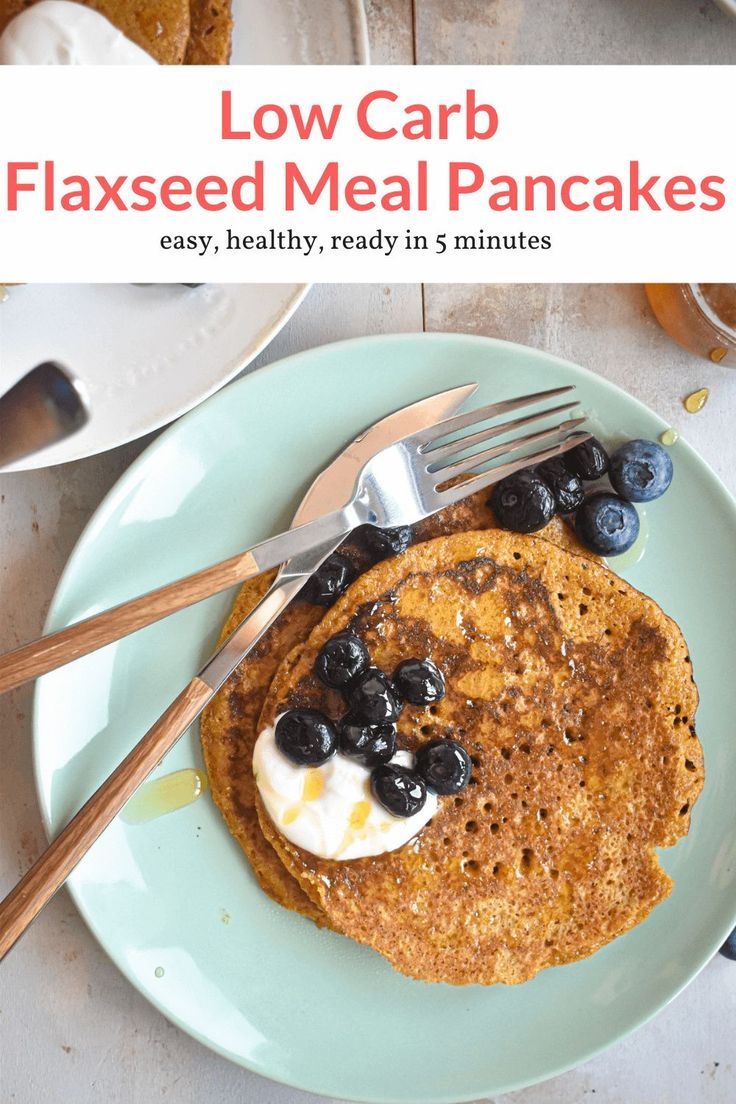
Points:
(328, 492)
(53, 867)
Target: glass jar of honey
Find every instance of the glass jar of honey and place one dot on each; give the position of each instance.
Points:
(700, 317)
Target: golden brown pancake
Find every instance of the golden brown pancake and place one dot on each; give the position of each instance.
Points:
(210, 38)
(229, 725)
(229, 728)
(160, 27)
(573, 693)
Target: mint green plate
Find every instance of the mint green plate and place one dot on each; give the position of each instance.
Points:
(174, 902)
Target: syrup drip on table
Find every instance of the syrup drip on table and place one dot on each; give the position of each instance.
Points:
(165, 795)
(696, 401)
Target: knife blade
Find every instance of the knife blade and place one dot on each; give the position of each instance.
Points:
(329, 491)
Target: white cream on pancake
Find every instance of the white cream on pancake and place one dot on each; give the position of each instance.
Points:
(58, 32)
(330, 810)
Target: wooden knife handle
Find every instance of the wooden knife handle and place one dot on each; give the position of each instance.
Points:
(56, 649)
(51, 870)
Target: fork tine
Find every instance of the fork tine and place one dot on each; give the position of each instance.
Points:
(483, 413)
(470, 486)
(469, 463)
(460, 443)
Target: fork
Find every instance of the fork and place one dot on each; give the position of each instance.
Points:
(399, 485)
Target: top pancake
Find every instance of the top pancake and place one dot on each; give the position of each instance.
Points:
(573, 692)
(229, 726)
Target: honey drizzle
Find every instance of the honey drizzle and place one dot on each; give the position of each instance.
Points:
(313, 787)
(165, 795)
(357, 820)
(695, 402)
(359, 815)
(314, 784)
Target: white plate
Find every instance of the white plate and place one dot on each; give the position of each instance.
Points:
(147, 355)
(144, 355)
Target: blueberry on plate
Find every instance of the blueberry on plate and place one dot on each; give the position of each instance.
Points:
(728, 950)
(369, 744)
(444, 765)
(373, 698)
(588, 461)
(607, 524)
(387, 542)
(419, 681)
(640, 470)
(522, 502)
(329, 580)
(566, 487)
(398, 789)
(306, 737)
(341, 660)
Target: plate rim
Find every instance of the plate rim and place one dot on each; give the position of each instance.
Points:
(99, 517)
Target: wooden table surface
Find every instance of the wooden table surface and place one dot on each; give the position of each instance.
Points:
(72, 1029)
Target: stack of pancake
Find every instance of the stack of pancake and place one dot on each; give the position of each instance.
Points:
(173, 32)
(572, 692)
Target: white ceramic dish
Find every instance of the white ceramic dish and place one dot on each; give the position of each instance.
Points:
(144, 354)
(164, 347)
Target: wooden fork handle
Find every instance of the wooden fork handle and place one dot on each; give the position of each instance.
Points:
(51, 870)
(56, 649)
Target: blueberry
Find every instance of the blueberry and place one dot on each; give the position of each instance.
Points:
(640, 470)
(566, 487)
(306, 737)
(728, 950)
(607, 524)
(399, 789)
(419, 681)
(373, 698)
(387, 542)
(341, 660)
(370, 744)
(522, 502)
(588, 461)
(329, 580)
(444, 765)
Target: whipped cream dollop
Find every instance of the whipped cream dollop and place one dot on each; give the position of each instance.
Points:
(330, 810)
(59, 32)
